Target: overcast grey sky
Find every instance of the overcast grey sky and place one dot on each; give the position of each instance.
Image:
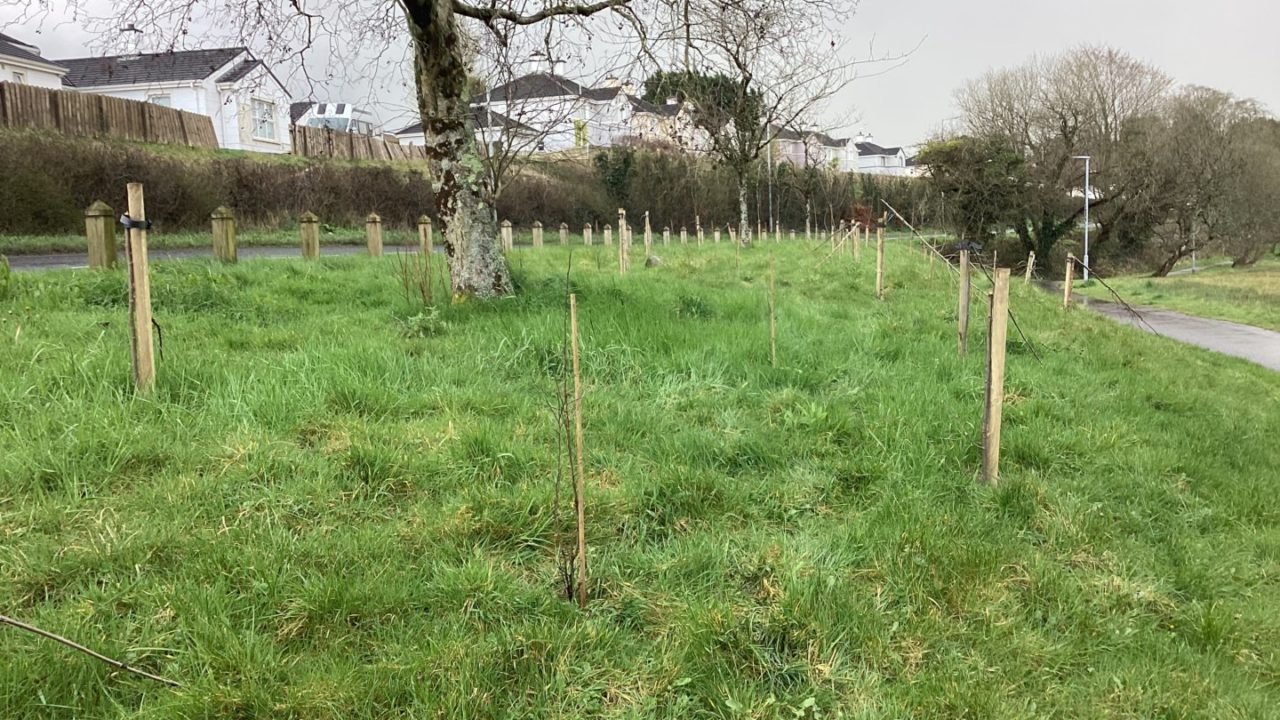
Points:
(1228, 44)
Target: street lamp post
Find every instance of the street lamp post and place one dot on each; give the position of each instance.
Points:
(1086, 159)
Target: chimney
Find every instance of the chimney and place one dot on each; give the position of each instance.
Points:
(611, 81)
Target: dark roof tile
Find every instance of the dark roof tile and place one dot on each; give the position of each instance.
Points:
(15, 48)
(173, 66)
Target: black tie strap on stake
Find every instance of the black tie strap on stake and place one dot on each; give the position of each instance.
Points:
(131, 224)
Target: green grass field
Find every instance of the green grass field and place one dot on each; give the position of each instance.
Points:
(1247, 295)
(337, 506)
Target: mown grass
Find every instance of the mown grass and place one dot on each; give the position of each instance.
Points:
(331, 508)
(1247, 295)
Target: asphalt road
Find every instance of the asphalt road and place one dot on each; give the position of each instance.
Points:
(1243, 341)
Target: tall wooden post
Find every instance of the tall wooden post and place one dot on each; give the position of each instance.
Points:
(586, 234)
(426, 242)
(564, 233)
(373, 234)
(733, 235)
(100, 232)
(648, 234)
(142, 349)
(1070, 279)
(854, 238)
(697, 228)
(773, 316)
(962, 308)
(1031, 267)
(996, 338)
(880, 263)
(622, 227)
(309, 228)
(537, 233)
(579, 482)
(223, 223)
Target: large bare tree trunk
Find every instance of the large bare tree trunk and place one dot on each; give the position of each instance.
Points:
(744, 221)
(469, 232)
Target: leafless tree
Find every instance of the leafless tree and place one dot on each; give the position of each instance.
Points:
(1051, 110)
(752, 68)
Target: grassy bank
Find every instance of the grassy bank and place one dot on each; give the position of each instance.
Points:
(338, 506)
(1247, 295)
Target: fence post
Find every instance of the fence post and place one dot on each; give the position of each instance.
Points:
(537, 233)
(715, 236)
(425, 241)
(586, 234)
(508, 241)
(962, 308)
(1031, 267)
(608, 235)
(579, 485)
(224, 234)
(684, 236)
(791, 235)
(622, 241)
(141, 344)
(773, 316)
(854, 238)
(1066, 285)
(373, 234)
(733, 235)
(564, 233)
(697, 228)
(648, 234)
(309, 227)
(666, 235)
(100, 232)
(880, 263)
(996, 337)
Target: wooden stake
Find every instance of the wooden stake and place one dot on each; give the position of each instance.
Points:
(508, 239)
(855, 237)
(880, 263)
(425, 242)
(666, 236)
(309, 228)
(773, 319)
(586, 234)
(223, 225)
(648, 234)
(373, 234)
(962, 309)
(684, 236)
(141, 344)
(537, 233)
(1031, 267)
(996, 338)
(715, 236)
(608, 235)
(100, 232)
(564, 233)
(579, 481)
(1066, 285)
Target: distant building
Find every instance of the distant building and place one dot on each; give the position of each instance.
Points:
(248, 105)
(21, 63)
(877, 160)
(491, 129)
(343, 117)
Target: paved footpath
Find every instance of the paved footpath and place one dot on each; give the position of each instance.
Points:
(1243, 341)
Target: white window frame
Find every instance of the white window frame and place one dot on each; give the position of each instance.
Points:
(19, 77)
(153, 97)
(253, 119)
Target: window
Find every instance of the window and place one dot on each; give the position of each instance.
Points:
(161, 100)
(19, 77)
(264, 119)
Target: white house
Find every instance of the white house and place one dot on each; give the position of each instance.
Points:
(21, 63)
(877, 160)
(343, 117)
(248, 104)
(491, 129)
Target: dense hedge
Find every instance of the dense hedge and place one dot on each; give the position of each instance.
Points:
(50, 179)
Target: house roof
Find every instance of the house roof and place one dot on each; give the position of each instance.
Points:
(15, 48)
(174, 66)
(481, 118)
(538, 85)
(238, 72)
(642, 105)
(298, 109)
(867, 149)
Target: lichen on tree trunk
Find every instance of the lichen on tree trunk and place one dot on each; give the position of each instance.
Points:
(468, 230)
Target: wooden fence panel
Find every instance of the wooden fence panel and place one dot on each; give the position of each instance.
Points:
(86, 114)
(323, 142)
